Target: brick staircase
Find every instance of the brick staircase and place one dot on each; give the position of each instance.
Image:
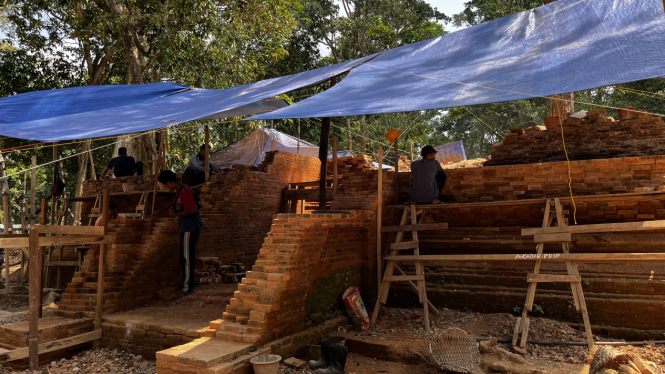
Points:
(130, 261)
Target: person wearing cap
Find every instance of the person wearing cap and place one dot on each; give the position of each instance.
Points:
(185, 208)
(123, 165)
(428, 178)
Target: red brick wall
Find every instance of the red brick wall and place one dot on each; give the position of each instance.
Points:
(306, 263)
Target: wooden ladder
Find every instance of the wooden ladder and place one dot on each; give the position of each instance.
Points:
(410, 214)
(572, 276)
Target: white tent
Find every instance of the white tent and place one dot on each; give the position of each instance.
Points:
(252, 148)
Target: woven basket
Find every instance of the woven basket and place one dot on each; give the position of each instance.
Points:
(455, 351)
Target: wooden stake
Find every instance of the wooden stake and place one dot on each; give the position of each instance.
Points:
(206, 129)
(411, 152)
(323, 155)
(33, 189)
(334, 161)
(101, 271)
(379, 211)
(348, 128)
(363, 148)
(35, 301)
(396, 173)
(42, 216)
(7, 230)
(272, 144)
(159, 162)
(92, 161)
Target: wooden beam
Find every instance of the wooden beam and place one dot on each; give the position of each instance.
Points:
(553, 238)
(348, 130)
(421, 227)
(42, 216)
(411, 152)
(403, 278)
(35, 302)
(206, 130)
(404, 245)
(7, 230)
(310, 194)
(55, 345)
(73, 230)
(334, 162)
(159, 162)
(101, 271)
(534, 278)
(602, 227)
(323, 155)
(33, 189)
(379, 212)
(548, 257)
(54, 203)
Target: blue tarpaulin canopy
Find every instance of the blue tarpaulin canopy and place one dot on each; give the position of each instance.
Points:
(565, 46)
(93, 119)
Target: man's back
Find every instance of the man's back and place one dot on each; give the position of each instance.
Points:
(122, 166)
(424, 188)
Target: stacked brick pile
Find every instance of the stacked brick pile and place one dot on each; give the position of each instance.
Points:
(516, 182)
(404, 163)
(629, 138)
(210, 270)
(350, 164)
(15, 335)
(305, 264)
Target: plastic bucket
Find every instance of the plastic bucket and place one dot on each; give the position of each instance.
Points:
(128, 187)
(266, 364)
(551, 122)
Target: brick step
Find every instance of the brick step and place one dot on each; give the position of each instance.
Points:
(238, 337)
(200, 354)
(238, 310)
(233, 327)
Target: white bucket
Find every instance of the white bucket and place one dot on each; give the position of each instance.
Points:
(266, 364)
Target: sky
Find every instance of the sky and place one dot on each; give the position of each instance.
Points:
(448, 7)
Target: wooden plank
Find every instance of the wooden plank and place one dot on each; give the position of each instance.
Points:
(55, 345)
(525, 332)
(477, 241)
(396, 176)
(421, 227)
(206, 131)
(34, 297)
(403, 278)
(553, 238)
(62, 263)
(516, 331)
(7, 230)
(547, 257)
(404, 245)
(72, 230)
(310, 194)
(33, 188)
(535, 278)
(379, 213)
(601, 227)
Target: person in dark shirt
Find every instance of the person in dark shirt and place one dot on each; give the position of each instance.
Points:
(184, 207)
(123, 165)
(428, 178)
(194, 173)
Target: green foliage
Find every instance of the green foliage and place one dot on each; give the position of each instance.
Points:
(479, 11)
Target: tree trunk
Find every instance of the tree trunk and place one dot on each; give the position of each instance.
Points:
(142, 148)
(126, 36)
(4, 187)
(561, 105)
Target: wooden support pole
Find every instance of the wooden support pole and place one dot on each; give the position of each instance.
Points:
(334, 161)
(33, 189)
(323, 155)
(348, 130)
(396, 181)
(363, 148)
(411, 152)
(101, 271)
(206, 129)
(272, 144)
(54, 202)
(92, 161)
(7, 230)
(23, 208)
(159, 162)
(35, 301)
(379, 211)
(42, 215)
(298, 147)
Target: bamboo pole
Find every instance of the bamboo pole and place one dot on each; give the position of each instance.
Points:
(334, 162)
(35, 301)
(379, 211)
(7, 230)
(54, 203)
(33, 189)
(40, 259)
(101, 271)
(206, 129)
(348, 130)
(396, 180)
(323, 155)
(411, 152)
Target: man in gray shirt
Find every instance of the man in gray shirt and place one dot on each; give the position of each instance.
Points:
(428, 178)
(194, 173)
